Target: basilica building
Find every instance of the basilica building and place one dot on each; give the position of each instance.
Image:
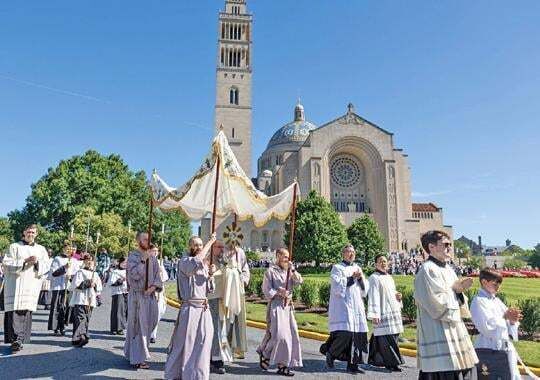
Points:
(350, 161)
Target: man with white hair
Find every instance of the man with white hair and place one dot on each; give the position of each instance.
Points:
(346, 314)
(24, 266)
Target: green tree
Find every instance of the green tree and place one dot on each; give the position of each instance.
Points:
(476, 262)
(103, 183)
(514, 263)
(461, 249)
(104, 189)
(319, 235)
(177, 232)
(6, 234)
(514, 250)
(534, 258)
(366, 238)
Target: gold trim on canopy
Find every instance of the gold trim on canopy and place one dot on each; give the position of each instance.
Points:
(236, 192)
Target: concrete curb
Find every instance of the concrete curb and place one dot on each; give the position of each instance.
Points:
(323, 337)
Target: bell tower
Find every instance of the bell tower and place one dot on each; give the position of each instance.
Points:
(233, 79)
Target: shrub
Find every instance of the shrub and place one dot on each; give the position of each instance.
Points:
(530, 308)
(514, 263)
(315, 270)
(503, 298)
(409, 307)
(309, 293)
(324, 294)
(296, 292)
(254, 284)
(253, 256)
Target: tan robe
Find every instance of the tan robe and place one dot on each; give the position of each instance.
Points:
(142, 309)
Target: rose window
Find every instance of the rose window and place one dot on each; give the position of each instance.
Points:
(345, 172)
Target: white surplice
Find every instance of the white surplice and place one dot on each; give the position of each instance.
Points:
(443, 343)
(382, 304)
(496, 332)
(22, 282)
(346, 311)
(86, 296)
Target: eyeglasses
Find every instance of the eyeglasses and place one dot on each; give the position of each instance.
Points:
(447, 245)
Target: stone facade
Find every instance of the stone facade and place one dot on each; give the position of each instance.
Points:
(350, 161)
(233, 79)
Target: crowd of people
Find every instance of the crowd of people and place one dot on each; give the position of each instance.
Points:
(210, 330)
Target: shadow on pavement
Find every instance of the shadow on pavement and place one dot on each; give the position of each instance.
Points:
(74, 363)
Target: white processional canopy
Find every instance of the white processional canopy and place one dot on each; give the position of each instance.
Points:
(236, 193)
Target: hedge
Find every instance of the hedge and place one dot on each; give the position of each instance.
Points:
(324, 294)
(530, 308)
(309, 293)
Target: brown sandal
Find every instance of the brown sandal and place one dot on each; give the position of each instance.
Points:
(142, 366)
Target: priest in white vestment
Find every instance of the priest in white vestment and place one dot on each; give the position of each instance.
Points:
(384, 311)
(227, 304)
(496, 323)
(444, 348)
(24, 266)
(347, 321)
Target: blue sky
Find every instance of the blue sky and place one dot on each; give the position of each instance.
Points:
(457, 82)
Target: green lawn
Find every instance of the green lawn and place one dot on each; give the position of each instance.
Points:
(514, 289)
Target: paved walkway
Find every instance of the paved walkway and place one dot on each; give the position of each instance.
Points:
(50, 357)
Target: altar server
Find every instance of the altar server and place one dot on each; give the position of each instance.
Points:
(384, 311)
(347, 321)
(119, 297)
(445, 350)
(85, 287)
(498, 326)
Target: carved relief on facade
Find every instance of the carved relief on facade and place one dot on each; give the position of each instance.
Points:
(392, 207)
(316, 176)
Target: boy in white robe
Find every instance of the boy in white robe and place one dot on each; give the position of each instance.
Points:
(85, 287)
(444, 348)
(119, 297)
(496, 323)
(24, 267)
(384, 311)
(347, 321)
(62, 269)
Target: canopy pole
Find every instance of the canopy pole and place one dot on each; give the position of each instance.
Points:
(234, 224)
(216, 186)
(161, 244)
(291, 235)
(71, 236)
(98, 234)
(150, 224)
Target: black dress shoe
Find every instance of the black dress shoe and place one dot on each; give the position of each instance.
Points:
(396, 369)
(16, 347)
(121, 332)
(329, 360)
(353, 368)
(152, 340)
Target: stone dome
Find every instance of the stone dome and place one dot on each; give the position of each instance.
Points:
(295, 132)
